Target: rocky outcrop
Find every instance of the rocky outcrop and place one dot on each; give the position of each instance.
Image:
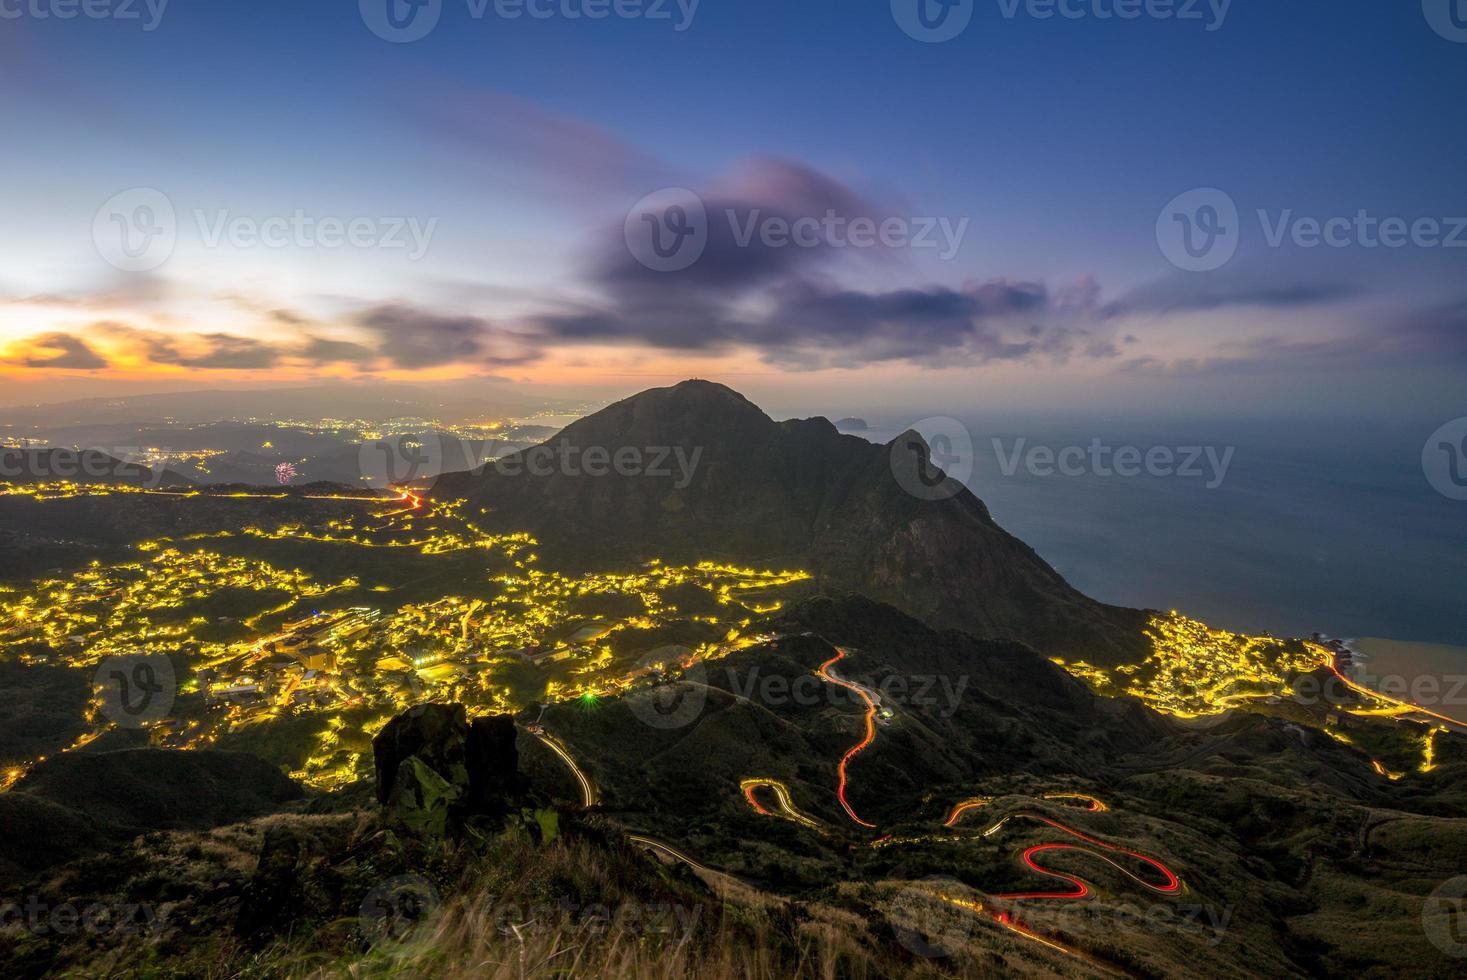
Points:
(435, 770)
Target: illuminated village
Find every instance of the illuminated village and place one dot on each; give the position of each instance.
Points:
(328, 659)
(308, 667)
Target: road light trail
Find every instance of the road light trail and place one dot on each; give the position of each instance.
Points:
(662, 847)
(1400, 707)
(1171, 886)
(1092, 804)
(827, 674)
(589, 795)
(787, 809)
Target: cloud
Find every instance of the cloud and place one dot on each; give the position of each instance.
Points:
(790, 302)
(556, 152)
(1185, 292)
(323, 351)
(54, 350)
(209, 351)
(412, 337)
(1435, 334)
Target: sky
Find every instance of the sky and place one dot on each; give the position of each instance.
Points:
(1038, 211)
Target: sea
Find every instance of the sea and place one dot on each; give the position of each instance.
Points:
(1257, 525)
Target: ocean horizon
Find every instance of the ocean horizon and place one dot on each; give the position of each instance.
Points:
(1278, 526)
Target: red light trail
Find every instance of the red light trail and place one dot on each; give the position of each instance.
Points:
(860, 746)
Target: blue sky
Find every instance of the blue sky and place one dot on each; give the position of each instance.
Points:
(1059, 142)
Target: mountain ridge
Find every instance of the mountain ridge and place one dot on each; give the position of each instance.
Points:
(797, 491)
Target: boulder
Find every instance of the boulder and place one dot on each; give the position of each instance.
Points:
(435, 770)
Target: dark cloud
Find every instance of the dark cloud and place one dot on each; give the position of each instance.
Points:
(411, 337)
(785, 300)
(213, 351)
(55, 350)
(323, 351)
(1192, 292)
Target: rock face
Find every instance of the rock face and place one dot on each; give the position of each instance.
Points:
(435, 770)
(722, 479)
(493, 762)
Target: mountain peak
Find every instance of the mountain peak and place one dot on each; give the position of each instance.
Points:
(723, 478)
(693, 412)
